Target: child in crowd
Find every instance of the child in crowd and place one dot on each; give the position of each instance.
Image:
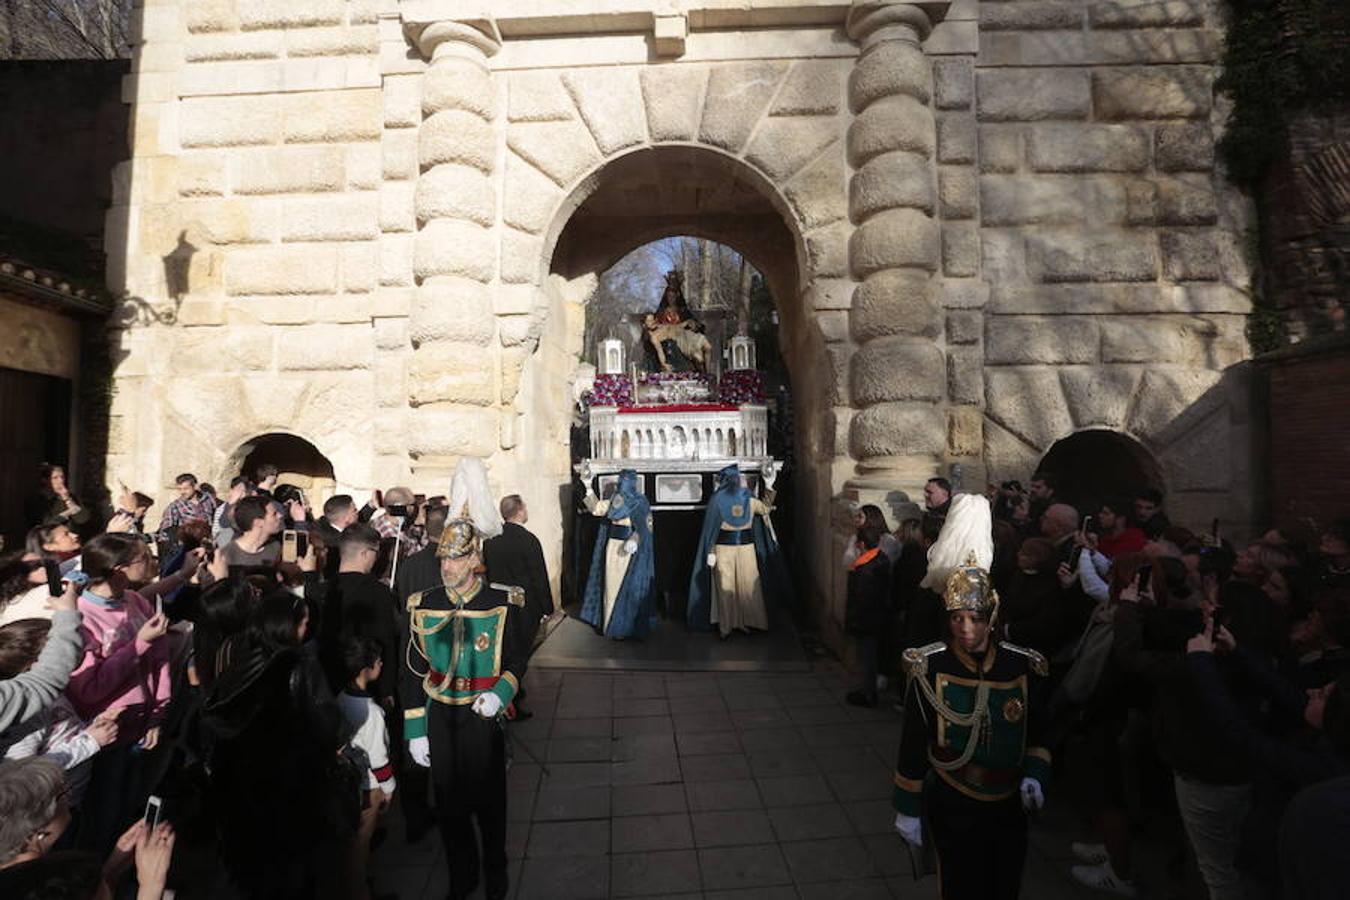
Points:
(57, 732)
(370, 743)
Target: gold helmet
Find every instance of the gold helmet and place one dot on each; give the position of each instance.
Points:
(459, 538)
(969, 589)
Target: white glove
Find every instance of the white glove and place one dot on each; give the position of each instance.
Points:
(420, 750)
(1032, 796)
(910, 828)
(488, 705)
(630, 546)
(712, 560)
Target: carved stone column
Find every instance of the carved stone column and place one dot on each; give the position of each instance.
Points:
(898, 377)
(452, 377)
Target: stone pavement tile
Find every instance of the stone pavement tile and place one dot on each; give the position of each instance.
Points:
(879, 714)
(708, 796)
(597, 726)
(588, 682)
(644, 874)
(853, 758)
(633, 685)
(585, 706)
(744, 683)
(647, 799)
(889, 854)
(786, 738)
(727, 828)
(692, 722)
(578, 750)
(778, 892)
(554, 804)
(806, 823)
(629, 726)
(904, 887)
(870, 816)
(755, 866)
(648, 770)
(641, 746)
(861, 889)
(751, 719)
(883, 735)
(517, 839)
(815, 697)
(401, 881)
(836, 859)
(628, 708)
(788, 683)
(573, 838)
(836, 735)
(715, 767)
(576, 775)
(637, 834)
(562, 878)
(697, 703)
(535, 729)
(523, 776)
(766, 700)
(794, 790)
(832, 714)
(520, 805)
(702, 743)
(862, 784)
(769, 763)
(691, 684)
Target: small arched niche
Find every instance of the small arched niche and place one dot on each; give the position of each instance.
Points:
(297, 460)
(1099, 464)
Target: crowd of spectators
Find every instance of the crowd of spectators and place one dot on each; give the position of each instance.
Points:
(208, 703)
(1212, 679)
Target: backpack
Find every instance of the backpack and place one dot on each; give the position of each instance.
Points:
(1090, 656)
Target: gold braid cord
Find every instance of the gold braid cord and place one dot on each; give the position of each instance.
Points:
(976, 720)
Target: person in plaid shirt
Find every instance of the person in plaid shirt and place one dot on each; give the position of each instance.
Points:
(191, 505)
(401, 510)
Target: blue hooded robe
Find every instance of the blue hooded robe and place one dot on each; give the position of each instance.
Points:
(730, 497)
(634, 612)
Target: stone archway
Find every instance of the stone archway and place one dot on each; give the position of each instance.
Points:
(299, 463)
(1098, 464)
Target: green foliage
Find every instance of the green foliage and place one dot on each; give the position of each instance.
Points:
(1281, 56)
(1266, 329)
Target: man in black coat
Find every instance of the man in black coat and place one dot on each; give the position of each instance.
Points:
(359, 605)
(421, 571)
(516, 557)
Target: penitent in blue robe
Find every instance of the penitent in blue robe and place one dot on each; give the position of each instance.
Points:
(634, 613)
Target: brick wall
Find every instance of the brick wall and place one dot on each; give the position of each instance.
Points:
(1309, 433)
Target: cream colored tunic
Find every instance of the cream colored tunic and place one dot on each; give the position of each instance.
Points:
(738, 593)
(616, 560)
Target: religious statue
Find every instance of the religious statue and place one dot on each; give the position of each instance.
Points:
(620, 598)
(738, 560)
(672, 333)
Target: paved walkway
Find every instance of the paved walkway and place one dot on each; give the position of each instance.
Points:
(703, 784)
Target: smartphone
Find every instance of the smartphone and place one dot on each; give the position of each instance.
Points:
(210, 548)
(1214, 529)
(290, 545)
(54, 585)
(1074, 558)
(159, 605)
(1087, 524)
(153, 806)
(1145, 582)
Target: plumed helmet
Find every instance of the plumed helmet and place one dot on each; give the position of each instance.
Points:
(970, 590)
(460, 538)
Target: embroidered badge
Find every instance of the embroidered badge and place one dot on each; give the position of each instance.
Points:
(1014, 709)
(617, 501)
(737, 510)
(482, 642)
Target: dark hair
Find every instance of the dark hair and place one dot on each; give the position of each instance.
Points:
(359, 536)
(285, 493)
(436, 516)
(1049, 479)
(1041, 552)
(193, 533)
(249, 510)
(358, 654)
(930, 526)
(14, 572)
(227, 606)
(59, 875)
(940, 482)
(267, 470)
(869, 536)
(336, 504)
(511, 505)
(186, 478)
(241, 479)
(1152, 495)
(276, 617)
(873, 517)
(1125, 571)
(139, 500)
(1117, 505)
(101, 556)
(1336, 715)
(39, 535)
(207, 488)
(20, 644)
(46, 469)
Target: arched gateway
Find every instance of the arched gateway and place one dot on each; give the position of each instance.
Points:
(397, 211)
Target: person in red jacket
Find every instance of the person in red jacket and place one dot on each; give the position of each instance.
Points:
(1115, 535)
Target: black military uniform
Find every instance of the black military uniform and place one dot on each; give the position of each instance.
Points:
(973, 731)
(458, 648)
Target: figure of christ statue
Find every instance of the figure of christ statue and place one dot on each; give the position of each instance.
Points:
(675, 337)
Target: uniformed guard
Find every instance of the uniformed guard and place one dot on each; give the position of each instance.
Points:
(461, 667)
(971, 761)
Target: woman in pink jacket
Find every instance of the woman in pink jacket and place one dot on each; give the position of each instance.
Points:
(125, 667)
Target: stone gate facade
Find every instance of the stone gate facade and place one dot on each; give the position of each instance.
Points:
(374, 224)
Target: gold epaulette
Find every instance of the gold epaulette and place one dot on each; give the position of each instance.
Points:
(515, 595)
(915, 659)
(1035, 659)
(415, 599)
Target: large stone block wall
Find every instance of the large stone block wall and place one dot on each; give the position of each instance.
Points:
(338, 219)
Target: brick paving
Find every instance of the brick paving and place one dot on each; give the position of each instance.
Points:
(703, 785)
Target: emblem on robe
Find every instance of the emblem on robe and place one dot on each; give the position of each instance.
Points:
(737, 510)
(617, 501)
(482, 642)
(1014, 709)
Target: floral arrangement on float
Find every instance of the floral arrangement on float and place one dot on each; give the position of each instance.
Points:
(609, 390)
(675, 387)
(739, 387)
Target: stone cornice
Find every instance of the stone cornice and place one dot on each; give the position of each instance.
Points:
(543, 18)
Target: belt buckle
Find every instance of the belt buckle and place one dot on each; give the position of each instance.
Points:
(460, 684)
